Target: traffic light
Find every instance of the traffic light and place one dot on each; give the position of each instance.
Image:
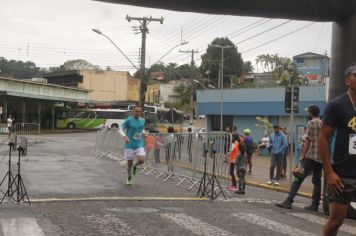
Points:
(287, 99)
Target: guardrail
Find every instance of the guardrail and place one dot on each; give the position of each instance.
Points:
(181, 156)
(27, 129)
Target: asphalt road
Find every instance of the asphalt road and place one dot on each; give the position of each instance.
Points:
(61, 167)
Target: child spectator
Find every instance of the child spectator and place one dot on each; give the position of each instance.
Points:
(240, 166)
(233, 154)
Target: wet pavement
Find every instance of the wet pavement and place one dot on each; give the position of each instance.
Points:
(100, 203)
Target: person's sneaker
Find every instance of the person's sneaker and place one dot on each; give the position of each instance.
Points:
(269, 182)
(129, 181)
(134, 170)
(240, 191)
(311, 208)
(231, 188)
(285, 204)
(276, 183)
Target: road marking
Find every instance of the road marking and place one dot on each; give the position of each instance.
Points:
(196, 226)
(111, 225)
(321, 221)
(21, 226)
(117, 198)
(271, 225)
(258, 200)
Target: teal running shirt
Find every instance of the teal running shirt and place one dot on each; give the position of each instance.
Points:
(134, 128)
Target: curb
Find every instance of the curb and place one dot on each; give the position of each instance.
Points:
(116, 198)
(278, 189)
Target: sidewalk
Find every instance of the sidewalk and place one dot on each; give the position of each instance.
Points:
(260, 176)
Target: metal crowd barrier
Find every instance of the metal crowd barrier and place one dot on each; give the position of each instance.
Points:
(179, 156)
(27, 129)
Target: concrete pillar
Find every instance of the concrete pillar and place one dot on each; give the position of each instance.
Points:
(23, 111)
(52, 117)
(343, 52)
(39, 114)
(4, 110)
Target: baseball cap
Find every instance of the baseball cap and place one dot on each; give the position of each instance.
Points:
(350, 70)
(247, 131)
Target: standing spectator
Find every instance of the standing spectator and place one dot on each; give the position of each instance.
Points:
(340, 116)
(241, 165)
(249, 149)
(278, 145)
(157, 149)
(311, 160)
(150, 143)
(234, 131)
(9, 121)
(169, 145)
(285, 164)
(190, 141)
(234, 151)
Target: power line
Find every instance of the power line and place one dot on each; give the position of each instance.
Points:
(263, 32)
(280, 37)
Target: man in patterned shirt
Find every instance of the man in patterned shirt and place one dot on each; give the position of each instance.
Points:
(311, 160)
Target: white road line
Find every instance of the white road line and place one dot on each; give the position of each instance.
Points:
(258, 200)
(271, 225)
(112, 225)
(21, 226)
(196, 226)
(321, 221)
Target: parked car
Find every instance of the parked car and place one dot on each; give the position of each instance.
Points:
(201, 133)
(201, 117)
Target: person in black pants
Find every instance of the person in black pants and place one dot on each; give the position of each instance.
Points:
(311, 160)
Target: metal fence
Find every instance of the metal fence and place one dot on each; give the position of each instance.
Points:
(181, 156)
(27, 129)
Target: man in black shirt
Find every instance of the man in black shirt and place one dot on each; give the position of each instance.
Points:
(340, 117)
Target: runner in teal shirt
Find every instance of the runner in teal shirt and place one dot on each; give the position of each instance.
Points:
(133, 131)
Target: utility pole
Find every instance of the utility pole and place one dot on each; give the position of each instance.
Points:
(221, 73)
(191, 84)
(144, 31)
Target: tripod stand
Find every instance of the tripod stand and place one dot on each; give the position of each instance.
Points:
(207, 182)
(9, 193)
(20, 188)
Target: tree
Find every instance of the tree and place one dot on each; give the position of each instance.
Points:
(282, 68)
(247, 67)
(19, 69)
(78, 64)
(211, 60)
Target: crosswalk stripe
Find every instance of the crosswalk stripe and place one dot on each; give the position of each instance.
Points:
(321, 221)
(106, 222)
(271, 225)
(21, 226)
(258, 200)
(196, 226)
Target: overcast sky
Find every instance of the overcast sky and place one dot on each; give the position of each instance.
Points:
(49, 32)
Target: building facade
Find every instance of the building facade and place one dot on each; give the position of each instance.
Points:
(313, 67)
(241, 107)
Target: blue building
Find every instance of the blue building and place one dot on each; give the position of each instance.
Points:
(242, 106)
(313, 67)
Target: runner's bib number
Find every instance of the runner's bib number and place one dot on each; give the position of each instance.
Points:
(352, 144)
(137, 136)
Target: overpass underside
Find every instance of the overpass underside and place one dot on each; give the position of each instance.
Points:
(341, 12)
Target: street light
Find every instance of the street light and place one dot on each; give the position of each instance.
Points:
(181, 44)
(202, 84)
(101, 33)
(221, 75)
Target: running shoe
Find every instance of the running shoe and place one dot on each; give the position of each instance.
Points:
(134, 170)
(269, 182)
(129, 181)
(276, 183)
(232, 188)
